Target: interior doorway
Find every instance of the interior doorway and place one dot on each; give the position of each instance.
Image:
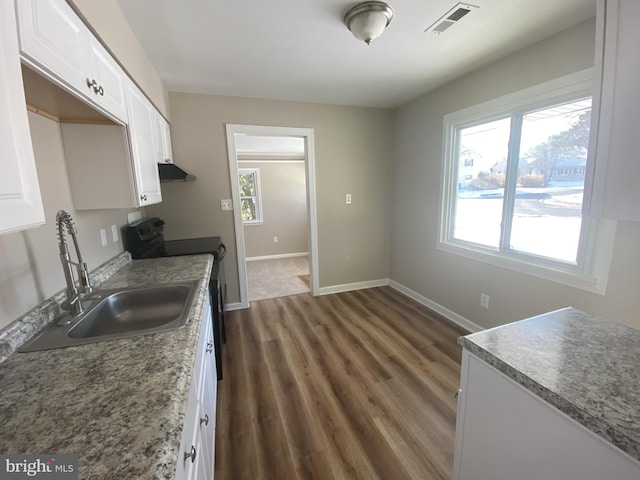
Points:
(273, 164)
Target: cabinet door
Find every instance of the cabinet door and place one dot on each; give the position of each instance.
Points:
(54, 38)
(142, 136)
(20, 202)
(109, 91)
(163, 140)
(185, 464)
(208, 415)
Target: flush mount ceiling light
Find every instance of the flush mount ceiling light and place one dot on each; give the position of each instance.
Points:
(368, 20)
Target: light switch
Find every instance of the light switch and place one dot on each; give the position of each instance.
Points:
(114, 233)
(348, 199)
(103, 237)
(226, 204)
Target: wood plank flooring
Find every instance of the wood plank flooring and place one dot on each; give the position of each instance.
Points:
(356, 385)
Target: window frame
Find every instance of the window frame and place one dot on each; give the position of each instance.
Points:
(257, 198)
(595, 249)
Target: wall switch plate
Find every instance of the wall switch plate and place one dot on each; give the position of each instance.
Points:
(348, 199)
(275, 239)
(484, 300)
(103, 237)
(226, 204)
(114, 233)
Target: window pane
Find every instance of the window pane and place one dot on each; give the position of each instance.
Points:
(248, 209)
(548, 207)
(247, 184)
(482, 163)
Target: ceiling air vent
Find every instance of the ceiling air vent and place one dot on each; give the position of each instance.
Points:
(451, 18)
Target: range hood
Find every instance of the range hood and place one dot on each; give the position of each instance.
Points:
(170, 172)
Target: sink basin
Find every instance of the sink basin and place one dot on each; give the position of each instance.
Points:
(119, 313)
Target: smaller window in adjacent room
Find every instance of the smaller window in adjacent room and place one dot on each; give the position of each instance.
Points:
(249, 182)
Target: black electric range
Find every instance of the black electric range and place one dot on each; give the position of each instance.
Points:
(144, 239)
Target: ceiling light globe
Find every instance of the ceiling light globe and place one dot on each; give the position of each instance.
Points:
(368, 20)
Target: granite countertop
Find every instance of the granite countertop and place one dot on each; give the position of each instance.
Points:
(119, 405)
(584, 366)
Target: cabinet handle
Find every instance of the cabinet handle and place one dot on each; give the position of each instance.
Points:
(143, 198)
(93, 84)
(191, 455)
(205, 419)
(100, 91)
(209, 347)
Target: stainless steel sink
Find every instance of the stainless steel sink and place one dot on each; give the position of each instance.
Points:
(119, 313)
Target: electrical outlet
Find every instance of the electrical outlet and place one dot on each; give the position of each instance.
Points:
(114, 233)
(484, 300)
(348, 199)
(226, 204)
(275, 239)
(103, 237)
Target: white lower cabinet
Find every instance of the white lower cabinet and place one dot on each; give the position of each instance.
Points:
(505, 432)
(197, 448)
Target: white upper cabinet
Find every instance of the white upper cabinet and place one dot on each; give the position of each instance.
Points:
(55, 41)
(164, 153)
(620, 106)
(142, 135)
(107, 81)
(20, 201)
(53, 38)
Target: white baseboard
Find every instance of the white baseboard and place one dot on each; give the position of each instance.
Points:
(347, 287)
(281, 255)
(436, 307)
(421, 299)
(233, 306)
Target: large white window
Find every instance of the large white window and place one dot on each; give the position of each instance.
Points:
(251, 205)
(516, 181)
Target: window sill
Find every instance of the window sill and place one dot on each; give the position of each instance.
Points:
(571, 276)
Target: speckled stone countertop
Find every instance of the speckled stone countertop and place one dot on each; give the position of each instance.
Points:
(584, 366)
(119, 404)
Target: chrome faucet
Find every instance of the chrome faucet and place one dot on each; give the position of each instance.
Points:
(73, 303)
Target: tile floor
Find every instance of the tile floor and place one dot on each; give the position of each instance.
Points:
(277, 277)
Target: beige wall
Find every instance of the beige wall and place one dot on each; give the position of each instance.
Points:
(353, 148)
(108, 21)
(455, 282)
(284, 209)
(30, 269)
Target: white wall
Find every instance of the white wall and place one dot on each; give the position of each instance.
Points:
(284, 209)
(455, 282)
(30, 268)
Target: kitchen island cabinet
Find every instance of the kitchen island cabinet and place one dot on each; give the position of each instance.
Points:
(556, 396)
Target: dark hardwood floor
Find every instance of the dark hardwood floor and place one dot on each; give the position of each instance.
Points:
(356, 385)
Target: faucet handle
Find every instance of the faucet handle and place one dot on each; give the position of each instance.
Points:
(85, 282)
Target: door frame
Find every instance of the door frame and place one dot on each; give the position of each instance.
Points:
(309, 157)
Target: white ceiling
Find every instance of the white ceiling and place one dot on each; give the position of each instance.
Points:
(301, 50)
